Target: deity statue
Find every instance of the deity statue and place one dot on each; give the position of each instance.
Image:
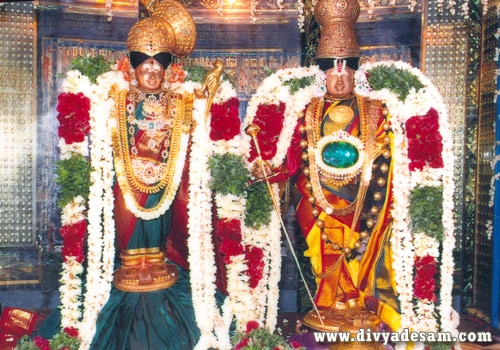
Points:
(160, 198)
(340, 161)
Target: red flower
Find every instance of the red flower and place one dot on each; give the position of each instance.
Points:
(270, 120)
(424, 141)
(230, 248)
(73, 236)
(229, 229)
(424, 283)
(242, 344)
(177, 72)
(295, 345)
(225, 123)
(125, 67)
(254, 257)
(72, 332)
(73, 117)
(251, 325)
(41, 343)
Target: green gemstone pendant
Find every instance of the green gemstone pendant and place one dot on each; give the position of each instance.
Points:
(340, 154)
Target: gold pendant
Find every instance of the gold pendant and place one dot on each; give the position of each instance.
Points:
(341, 114)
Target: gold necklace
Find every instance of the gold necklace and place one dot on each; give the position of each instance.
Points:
(121, 146)
(313, 119)
(338, 117)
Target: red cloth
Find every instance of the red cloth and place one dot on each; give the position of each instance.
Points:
(14, 323)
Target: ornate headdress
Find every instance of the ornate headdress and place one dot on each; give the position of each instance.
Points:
(337, 18)
(170, 29)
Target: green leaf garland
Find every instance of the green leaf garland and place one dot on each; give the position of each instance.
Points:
(396, 80)
(296, 84)
(259, 206)
(90, 66)
(426, 211)
(73, 178)
(229, 175)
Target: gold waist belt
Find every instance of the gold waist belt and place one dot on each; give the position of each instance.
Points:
(144, 270)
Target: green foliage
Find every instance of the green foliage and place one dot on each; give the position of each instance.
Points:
(426, 211)
(90, 66)
(59, 341)
(197, 74)
(62, 340)
(296, 84)
(262, 339)
(73, 178)
(229, 175)
(396, 80)
(25, 343)
(259, 205)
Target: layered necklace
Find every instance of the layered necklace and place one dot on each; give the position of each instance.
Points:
(166, 128)
(327, 154)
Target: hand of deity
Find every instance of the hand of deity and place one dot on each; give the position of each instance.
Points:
(257, 171)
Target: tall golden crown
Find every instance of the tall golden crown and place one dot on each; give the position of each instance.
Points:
(337, 18)
(169, 29)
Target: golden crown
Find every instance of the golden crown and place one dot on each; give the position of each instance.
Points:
(337, 18)
(169, 29)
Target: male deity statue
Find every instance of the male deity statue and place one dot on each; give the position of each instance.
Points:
(340, 160)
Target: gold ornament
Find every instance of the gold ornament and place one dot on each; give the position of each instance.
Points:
(337, 18)
(170, 29)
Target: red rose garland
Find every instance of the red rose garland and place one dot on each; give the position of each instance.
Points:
(424, 141)
(225, 123)
(270, 120)
(255, 258)
(73, 117)
(424, 283)
(73, 236)
(229, 231)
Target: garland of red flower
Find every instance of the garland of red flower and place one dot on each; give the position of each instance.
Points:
(225, 123)
(73, 117)
(424, 282)
(73, 236)
(270, 119)
(74, 127)
(425, 144)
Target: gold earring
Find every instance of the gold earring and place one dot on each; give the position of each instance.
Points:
(134, 81)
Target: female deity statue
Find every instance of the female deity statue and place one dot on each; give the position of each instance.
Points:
(150, 305)
(161, 199)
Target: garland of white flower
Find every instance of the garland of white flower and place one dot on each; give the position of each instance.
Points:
(202, 274)
(101, 231)
(417, 103)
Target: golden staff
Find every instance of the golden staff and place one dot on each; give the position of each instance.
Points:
(253, 130)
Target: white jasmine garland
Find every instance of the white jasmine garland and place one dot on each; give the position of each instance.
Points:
(98, 273)
(404, 248)
(73, 212)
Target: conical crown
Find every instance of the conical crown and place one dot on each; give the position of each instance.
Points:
(338, 38)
